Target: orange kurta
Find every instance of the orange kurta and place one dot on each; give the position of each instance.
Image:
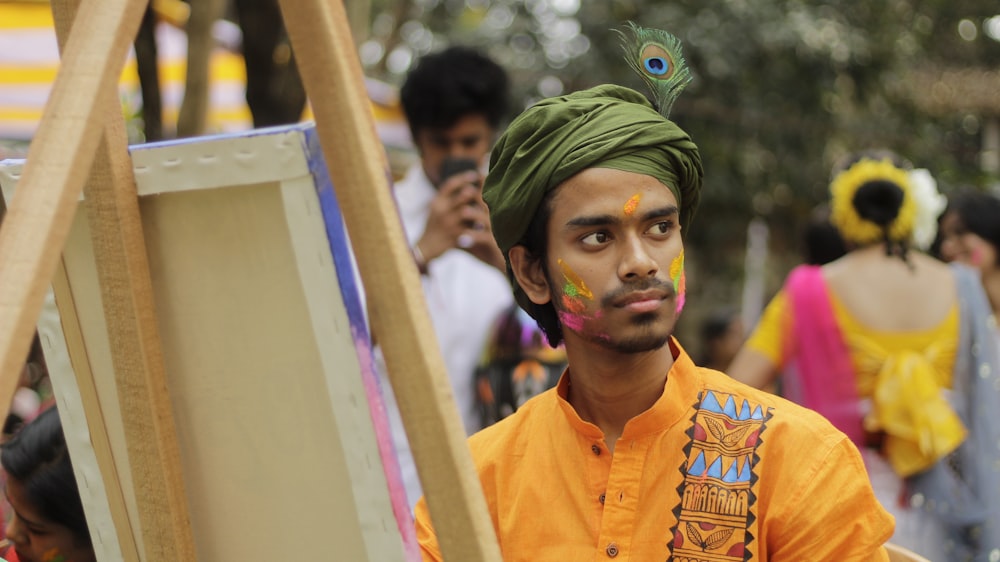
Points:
(713, 471)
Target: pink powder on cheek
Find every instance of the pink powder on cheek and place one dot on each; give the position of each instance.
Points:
(571, 320)
(575, 321)
(976, 256)
(680, 285)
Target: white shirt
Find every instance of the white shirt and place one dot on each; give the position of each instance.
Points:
(465, 298)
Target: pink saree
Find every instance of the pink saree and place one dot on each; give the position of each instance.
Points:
(822, 375)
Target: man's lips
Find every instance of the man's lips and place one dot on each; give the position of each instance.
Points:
(642, 301)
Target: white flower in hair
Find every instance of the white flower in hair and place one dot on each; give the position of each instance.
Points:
(930, 205)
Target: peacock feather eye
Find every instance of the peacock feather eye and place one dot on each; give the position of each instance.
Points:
(656, 61)
(656, 57)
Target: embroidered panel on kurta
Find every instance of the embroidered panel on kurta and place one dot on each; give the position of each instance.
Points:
(714, 517)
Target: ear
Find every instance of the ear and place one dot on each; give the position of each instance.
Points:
(530, 274)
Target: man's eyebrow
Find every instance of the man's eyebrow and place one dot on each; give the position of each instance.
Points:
(593, 220)
(666, 211)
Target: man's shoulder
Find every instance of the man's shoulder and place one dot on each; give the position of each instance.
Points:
(505, 438)
(781, 416)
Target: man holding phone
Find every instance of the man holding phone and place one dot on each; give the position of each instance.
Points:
(454, 101)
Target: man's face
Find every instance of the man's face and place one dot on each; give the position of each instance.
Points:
(614, 268)
(470, 137)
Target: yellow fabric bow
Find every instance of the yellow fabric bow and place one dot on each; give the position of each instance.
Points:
(920, 425)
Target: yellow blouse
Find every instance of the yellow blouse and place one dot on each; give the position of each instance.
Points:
(902, 372)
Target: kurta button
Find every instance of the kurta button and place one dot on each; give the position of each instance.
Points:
(612, 550)
(601, 498)
(595, 449)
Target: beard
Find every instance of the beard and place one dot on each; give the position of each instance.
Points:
(648, 339)
(645, 332)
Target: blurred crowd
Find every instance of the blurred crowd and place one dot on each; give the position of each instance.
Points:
(888, 328)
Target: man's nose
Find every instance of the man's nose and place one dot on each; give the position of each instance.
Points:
(636, 261)
(460, 150)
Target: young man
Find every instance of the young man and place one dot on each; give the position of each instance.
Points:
(454, 102)
(638, 453)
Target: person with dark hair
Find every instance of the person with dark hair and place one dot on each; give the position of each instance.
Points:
(455, 101)
(637, 453)
(894, 348)
(48, 522)
(722, 336)
(969, 233)
(822, 240)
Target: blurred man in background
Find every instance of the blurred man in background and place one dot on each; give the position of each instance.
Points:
(454, 102)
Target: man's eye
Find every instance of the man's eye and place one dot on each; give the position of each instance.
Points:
(662, 227)
(595, 239)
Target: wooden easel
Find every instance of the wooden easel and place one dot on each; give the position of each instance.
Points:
(81, 147)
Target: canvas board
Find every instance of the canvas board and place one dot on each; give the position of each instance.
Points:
(284, 444)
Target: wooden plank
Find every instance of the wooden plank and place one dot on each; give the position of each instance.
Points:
(330, 69)
(127, 297)
(39, 216)
(85, 426)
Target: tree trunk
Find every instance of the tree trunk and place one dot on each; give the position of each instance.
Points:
(274, 89)
(194, 109)
(359, 13)
(149, 78)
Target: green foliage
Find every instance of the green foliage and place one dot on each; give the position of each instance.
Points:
(781, 90)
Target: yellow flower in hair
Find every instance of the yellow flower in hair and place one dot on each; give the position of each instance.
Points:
(852, 226)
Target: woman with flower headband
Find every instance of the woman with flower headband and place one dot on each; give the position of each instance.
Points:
(894, 348)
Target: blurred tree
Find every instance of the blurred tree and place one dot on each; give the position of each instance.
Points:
(149, 79)
(782, 89)
(193, 115)
(275, 93)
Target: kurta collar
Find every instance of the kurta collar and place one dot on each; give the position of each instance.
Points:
(680, 393)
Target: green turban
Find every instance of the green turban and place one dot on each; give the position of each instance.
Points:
(604, 127)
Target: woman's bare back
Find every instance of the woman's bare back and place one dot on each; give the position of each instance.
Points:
(888, 295)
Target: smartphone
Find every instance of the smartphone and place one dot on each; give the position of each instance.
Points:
(452, 166)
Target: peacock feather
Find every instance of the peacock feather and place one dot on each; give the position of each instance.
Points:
(656, 56)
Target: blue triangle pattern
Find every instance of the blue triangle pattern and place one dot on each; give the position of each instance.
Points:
(710, 403)
(744, 411)
(757, 414)
(715, 471)
(730, 409)
(745, 473)
(731, 474)
(697, 468)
